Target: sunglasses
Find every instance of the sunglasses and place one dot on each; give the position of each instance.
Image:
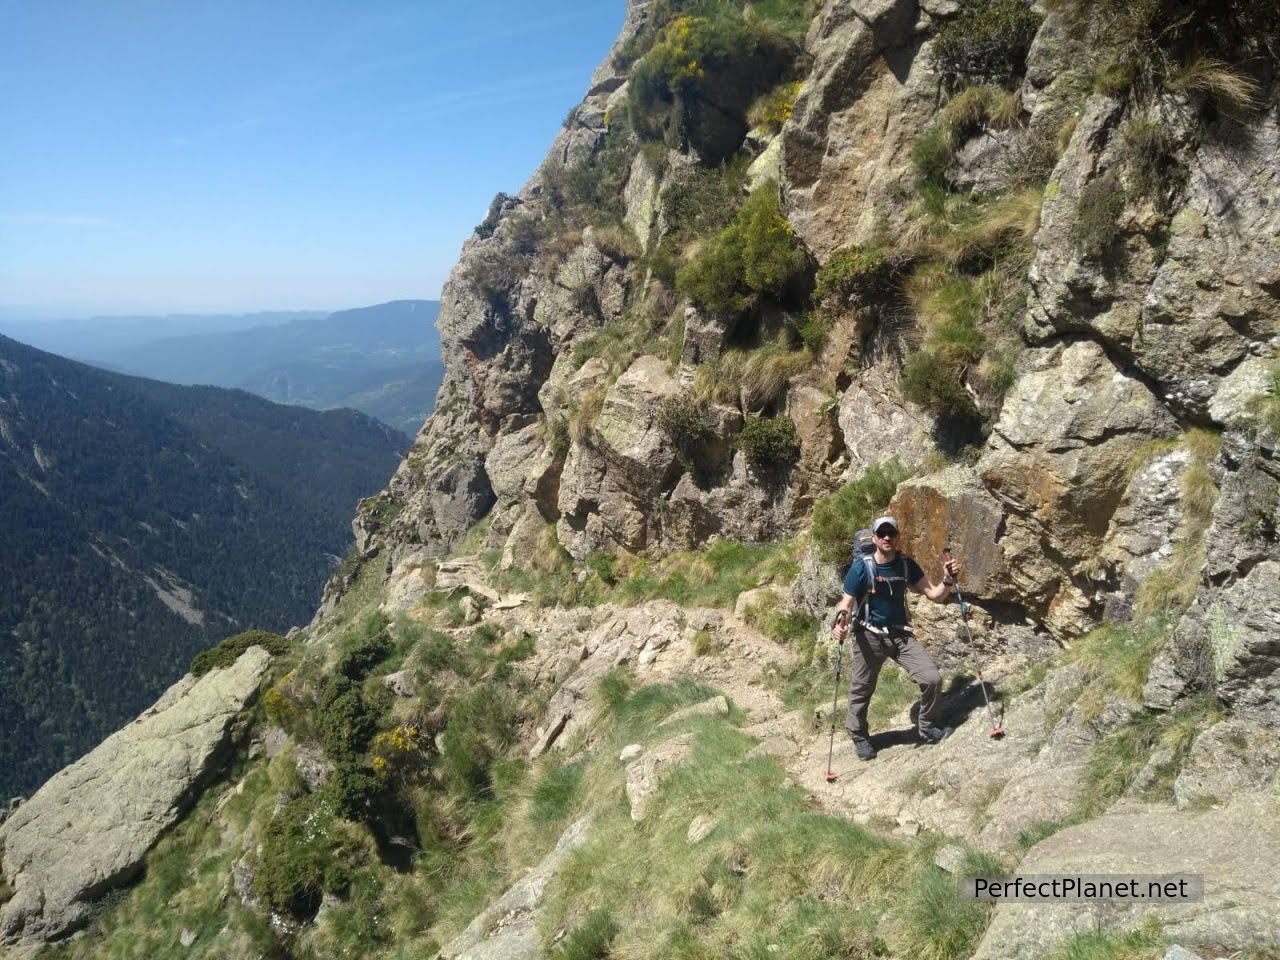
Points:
(886, 534)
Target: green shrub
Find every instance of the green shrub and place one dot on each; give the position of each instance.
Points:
(850, 273)
(974, 108)
(937, 920)
(987, 40)
(838, 516)
(1152, 164)
(931, 154)
(757, 254)
(490, 222)
(352, 788)
(787, 627)
(935, 384)
(305, 854)
(758, 379)
(555, 794)
(492, 272)
(346, 723)
(703, 200)
(228, 651)
(687, 425)
(1116, 658)
(482, 724)
(590, 190)
(769, 441)
(714, 278)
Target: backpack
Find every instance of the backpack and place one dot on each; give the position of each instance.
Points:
(864, 552)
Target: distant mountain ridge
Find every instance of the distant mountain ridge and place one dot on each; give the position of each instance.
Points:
(142, 521)
(86, 338)
(383, 360)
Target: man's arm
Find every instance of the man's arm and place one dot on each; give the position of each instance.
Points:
(937, 592)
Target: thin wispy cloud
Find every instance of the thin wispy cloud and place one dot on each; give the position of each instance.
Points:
(51, 219)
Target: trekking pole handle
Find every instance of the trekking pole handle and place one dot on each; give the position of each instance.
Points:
(946, 555)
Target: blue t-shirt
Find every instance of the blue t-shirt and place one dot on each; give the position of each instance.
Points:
(888, 605)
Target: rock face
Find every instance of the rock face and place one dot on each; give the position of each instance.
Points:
(1190, 317)
(1069, 428)
(88, 829)
(1238, 909)
(870, 92)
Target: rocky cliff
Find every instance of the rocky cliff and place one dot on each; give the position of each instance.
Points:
(1010, 273)
(1045, 278)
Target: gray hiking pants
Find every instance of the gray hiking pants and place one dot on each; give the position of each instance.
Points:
(869, 653)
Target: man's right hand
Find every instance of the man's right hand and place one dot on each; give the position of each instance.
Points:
(840, 628)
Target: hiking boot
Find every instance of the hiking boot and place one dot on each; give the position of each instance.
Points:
(864, 749)
(928, 733)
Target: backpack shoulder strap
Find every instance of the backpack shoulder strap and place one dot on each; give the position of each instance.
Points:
(906, 590)
(866, 586)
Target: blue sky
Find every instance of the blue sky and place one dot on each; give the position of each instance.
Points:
(225, 156)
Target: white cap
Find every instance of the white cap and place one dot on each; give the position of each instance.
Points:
(881, 521)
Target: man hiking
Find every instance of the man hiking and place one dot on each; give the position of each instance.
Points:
(882, 632)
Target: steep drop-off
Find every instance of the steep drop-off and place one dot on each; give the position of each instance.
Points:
(143, 521)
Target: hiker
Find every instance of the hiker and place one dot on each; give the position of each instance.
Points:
(882, 632)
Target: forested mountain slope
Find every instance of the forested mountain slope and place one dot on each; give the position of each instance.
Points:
(383, 360)
(143, 521)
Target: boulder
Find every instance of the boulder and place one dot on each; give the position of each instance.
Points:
(704, 335)
(951, 508)
(817, 587)
(90, 826)
(767, 166)
(645, 773)
(511, 458)
(700, 828)
(627, 427)
(1238, 910)
(549, 734)
(814, 414)
(401, 683)
(609, 485)
(713, 707)
(1143, 529)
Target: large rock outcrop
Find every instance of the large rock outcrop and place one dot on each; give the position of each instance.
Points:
(89, 828)
(1238, 909)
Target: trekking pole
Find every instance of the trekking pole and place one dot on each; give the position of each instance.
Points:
(997, 728)
(842, 616)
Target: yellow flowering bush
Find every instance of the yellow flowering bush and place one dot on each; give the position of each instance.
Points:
(773, 109)
(395, 751)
